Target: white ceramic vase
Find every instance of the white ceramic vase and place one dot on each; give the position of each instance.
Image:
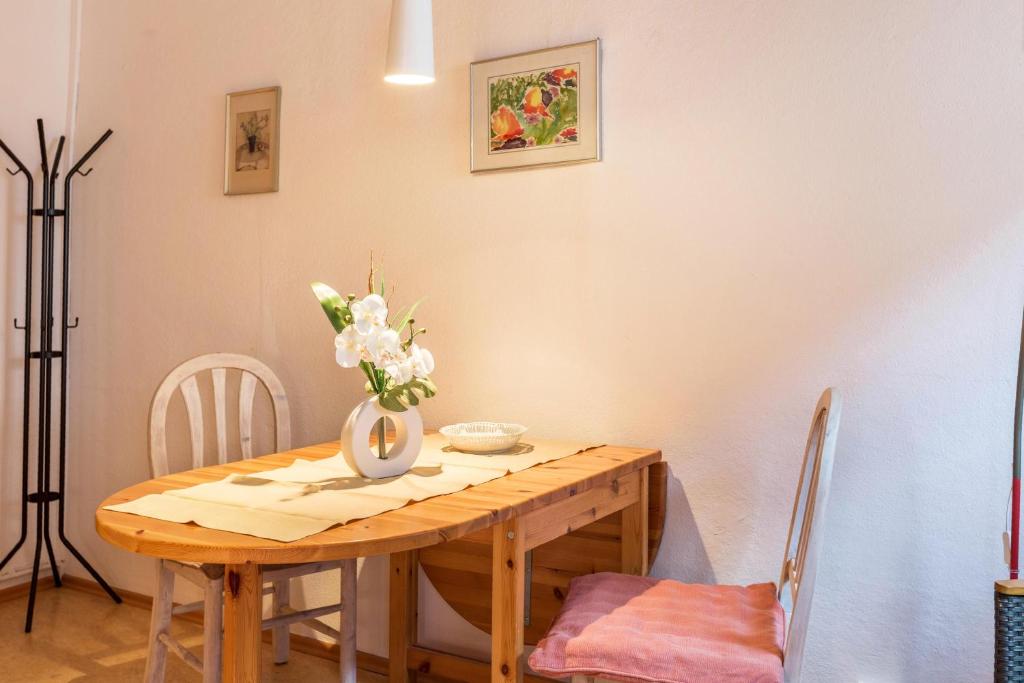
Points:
(355, 437)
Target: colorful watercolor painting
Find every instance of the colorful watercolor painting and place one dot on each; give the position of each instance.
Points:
(533, 109)
(537, 108)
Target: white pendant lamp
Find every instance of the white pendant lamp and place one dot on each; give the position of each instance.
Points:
(410, 43)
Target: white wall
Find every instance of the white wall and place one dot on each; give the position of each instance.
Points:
(794, 194)
(35, 40)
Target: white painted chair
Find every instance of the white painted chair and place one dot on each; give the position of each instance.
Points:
(211, 577)
(806, 529)
(611, 597)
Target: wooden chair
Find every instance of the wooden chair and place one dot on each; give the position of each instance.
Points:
(211, 577)
(618, 627)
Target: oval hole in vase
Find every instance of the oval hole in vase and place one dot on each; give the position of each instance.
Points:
(389, 433)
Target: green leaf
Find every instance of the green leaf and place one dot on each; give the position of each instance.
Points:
(397, 398)
(407, 316)
(332, 303)
(425, 386)
(372, 377)
(390, 401)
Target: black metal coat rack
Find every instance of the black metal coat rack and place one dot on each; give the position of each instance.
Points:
(44, 494)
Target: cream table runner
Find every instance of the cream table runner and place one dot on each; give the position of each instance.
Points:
(309, 496)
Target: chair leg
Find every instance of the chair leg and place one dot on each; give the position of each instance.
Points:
(159, 622)
(347, 627)
(213, 630)
(281, 599)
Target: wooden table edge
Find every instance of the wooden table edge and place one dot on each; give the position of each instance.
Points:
(118, 528)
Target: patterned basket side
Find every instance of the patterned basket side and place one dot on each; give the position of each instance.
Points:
(1009, 666)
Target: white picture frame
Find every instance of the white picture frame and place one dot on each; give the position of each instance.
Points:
(524, 107)
(252, 141)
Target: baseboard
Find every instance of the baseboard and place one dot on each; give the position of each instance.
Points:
(89, 586)
(20, 590)
(303, 644)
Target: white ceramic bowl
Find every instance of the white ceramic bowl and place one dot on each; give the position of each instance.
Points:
(483, 437)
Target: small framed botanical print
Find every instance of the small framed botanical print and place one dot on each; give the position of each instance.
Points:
(252, 141)
(537, 108)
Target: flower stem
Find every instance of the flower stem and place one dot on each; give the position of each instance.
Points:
(371, 375)
(377, 383)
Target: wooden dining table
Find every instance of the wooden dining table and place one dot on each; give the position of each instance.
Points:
(518, 512)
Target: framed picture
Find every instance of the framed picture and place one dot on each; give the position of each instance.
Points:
(252, 141)
(537, 108)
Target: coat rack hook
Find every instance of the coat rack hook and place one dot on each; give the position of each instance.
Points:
(84, 173)
(17, 326)
(15, 172)
(74, 325)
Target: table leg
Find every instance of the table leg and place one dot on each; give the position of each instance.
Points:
(347, 643)
(243, 616)
(402, 614)
(508, 562)
(635, 530)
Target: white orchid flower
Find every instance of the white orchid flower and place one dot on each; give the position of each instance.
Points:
(399, 368)
(349, 347)
(382, 344)
(422, 361)
(370, 313)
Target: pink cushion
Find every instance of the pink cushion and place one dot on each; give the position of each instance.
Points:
(646, 630)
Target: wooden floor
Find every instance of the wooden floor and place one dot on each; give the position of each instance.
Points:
(78, 636)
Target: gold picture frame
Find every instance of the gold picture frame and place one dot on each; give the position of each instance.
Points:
(252, 141)
(539, 108)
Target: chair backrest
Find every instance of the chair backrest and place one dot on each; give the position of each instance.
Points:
(803, 545)
(183, 377)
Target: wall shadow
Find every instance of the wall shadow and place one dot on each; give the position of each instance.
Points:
(683, 555)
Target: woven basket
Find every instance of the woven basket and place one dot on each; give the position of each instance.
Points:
(1009, 664)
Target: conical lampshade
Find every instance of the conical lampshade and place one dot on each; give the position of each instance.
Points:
(410, 43)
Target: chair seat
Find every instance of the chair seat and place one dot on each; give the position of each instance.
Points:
(646, 630)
